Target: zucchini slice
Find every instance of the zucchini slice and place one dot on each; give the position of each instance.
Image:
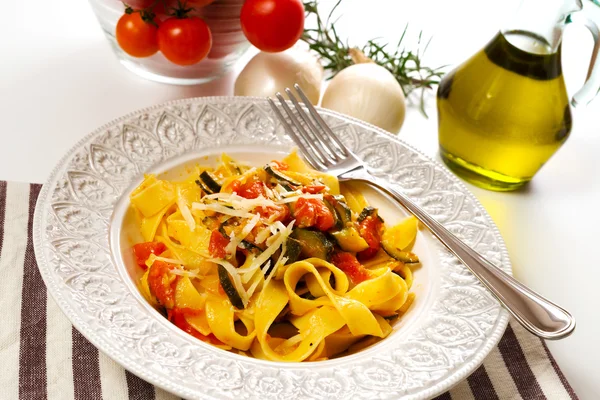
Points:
(338, 223)
(350, 240)
(208, 183)
(281, 177)
(292, 250)
(344, 212)
(251, 247)
(313, 243)
(229, 289)
(366, 212)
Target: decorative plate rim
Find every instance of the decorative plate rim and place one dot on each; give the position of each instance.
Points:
(437, 388)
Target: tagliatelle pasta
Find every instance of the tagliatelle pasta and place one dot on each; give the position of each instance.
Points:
(278, 263)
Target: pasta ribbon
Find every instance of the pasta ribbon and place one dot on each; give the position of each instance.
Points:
(313, 327)
(196, 241)
(149, 226)
(221, 317)
(357, 315)
(153, 197)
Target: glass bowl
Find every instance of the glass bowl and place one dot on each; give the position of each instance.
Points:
(229, 43)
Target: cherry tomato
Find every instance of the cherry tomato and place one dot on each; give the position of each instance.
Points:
(142, 251)
(217, 244)
(313, 189)
(351, 267)
(313, 212)
(272, 25)
(184, 41)
(137, 35)
(370, 229)
(249, 190)
(162, 283)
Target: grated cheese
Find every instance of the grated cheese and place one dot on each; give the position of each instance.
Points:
(262, 235)
(275, 268)
(246, 277)
(235, 240)
(221, 209)
(194, 273)
(303, 196)
(253, 287)
(237, 282)
(281, 260)
(186, 213)
(266, 267)
(154, 257)
(265, 255)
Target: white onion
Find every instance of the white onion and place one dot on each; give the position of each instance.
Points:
(269, 73)
(368, 92)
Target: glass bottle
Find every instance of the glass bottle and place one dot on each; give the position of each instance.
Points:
(504, 112)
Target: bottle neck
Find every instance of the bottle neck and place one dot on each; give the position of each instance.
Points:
(537, 27)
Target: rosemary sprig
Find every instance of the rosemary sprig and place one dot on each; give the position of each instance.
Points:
(336, 54)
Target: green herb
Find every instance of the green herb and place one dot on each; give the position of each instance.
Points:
(336, 54)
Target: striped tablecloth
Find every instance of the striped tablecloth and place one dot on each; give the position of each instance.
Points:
(44, 357)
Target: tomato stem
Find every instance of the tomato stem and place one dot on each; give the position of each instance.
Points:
(148, 16)
(181, 11)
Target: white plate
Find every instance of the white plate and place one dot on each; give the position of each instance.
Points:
(79, 240)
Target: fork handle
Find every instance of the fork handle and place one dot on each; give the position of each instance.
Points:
(537, 314)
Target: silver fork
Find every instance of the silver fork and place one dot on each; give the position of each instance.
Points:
(325, 152)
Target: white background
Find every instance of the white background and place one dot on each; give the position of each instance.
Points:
(59, 81)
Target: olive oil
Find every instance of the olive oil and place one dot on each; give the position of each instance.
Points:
(504, 112)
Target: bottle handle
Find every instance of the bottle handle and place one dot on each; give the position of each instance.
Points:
(588, 17)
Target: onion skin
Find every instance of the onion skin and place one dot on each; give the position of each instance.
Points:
(368, 92)
(269, 73)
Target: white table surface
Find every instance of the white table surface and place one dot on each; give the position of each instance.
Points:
(59, 81)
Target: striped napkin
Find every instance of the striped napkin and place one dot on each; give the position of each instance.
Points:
(44, 357)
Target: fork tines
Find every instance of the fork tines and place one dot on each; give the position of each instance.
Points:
(316, 140)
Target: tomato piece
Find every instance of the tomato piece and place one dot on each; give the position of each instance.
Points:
(137, 34)
(162, 283)
(142, 252)
(305, 213)
(184, 41)
(313, 189)
(272, 25)
(282, 212)
(370, 229)
(249, 190)
(280, 165)
(217, 244)
(177, 317)
(351, 267)
(313, 212)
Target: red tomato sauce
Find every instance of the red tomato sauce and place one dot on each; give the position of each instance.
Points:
(217, 244)
(142, 252)
(370, 230)
(351, 267)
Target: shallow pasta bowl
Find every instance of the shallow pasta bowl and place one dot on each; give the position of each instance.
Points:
(81, 232)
